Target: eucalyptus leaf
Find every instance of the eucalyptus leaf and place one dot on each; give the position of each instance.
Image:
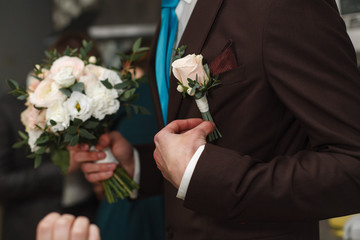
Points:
(19, 144)
(22, 97)
(74, 140)
(72, 130)
(52, 122)
(38, 160)
(107, 84)
(91, 124)
(61, 158)
(86, 134)
(12, 84)
(77, 121)
(136, 45)
(42, 140)
(122, 85)
(78, 87)
(65, 91)
(23, 135)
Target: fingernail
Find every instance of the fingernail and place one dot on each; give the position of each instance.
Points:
(108, 174)
(101, 155)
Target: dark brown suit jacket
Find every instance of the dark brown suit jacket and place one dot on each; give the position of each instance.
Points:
(289, 114)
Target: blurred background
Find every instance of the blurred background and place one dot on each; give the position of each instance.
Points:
(30, 27)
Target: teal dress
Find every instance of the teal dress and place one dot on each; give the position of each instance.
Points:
(134, 219)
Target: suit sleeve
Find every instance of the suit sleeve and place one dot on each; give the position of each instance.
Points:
(311, 66)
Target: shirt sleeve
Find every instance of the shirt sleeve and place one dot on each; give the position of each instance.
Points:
(188, 173)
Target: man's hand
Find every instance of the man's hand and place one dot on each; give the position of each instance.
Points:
(95, 172)
(177, 143)
(66, 227)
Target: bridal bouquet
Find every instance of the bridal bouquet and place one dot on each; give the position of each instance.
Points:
(194, 79)
(72, 100)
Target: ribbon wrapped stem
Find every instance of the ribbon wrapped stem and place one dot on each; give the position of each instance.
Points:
(120, 185)
(203, 106)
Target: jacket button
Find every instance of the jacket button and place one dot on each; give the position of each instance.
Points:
(169, 232)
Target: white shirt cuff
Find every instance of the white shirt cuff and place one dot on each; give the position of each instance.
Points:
(188, 173)
(136, 177)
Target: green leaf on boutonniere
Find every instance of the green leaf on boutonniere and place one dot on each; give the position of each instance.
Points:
(41, 150)
(107, 84)
(78, 87)
(65, 91)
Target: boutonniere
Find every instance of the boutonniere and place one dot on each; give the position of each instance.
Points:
(195, 79)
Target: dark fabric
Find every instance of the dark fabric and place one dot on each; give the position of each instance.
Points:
(289, 116)
(26, 194)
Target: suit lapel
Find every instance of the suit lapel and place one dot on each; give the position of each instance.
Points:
(194, 37)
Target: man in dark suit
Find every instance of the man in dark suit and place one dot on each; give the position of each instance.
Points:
(288, 111)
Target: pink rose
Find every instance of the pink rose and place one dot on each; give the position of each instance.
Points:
(46, 94)
(189, 67)
(75, 63)
(32, 117)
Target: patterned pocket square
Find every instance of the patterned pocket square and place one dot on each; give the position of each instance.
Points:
(225, 61)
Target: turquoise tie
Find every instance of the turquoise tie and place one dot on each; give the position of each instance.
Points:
(164, 49)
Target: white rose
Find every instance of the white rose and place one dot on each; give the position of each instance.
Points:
(58, 113)
(79, 106)
(102, 74)
(189, 67)
(105, 100)
(46, 93)
(88, 79)
(75, 63)
(34, 134)
(65, 77)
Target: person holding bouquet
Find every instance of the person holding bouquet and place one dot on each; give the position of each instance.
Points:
(287, 108)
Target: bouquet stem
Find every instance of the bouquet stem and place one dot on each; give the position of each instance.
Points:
(120, 185)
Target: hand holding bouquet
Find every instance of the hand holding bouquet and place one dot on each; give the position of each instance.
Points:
(72, 100)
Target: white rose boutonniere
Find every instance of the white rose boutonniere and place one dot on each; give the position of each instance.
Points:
(195, 79)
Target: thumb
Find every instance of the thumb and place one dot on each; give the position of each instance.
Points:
(203, 129)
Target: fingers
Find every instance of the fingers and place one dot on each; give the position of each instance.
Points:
(66, 227)
(45, 226)
(80, 229)
(62, 227)
(94, 233)
(97, 177)
(203, 129)
(179, 126)
(88, 156)
(104, 141)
